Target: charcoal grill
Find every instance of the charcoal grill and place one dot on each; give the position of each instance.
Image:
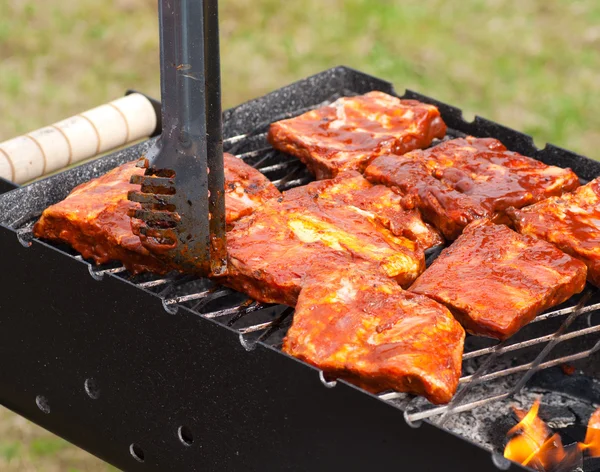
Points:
(177, 373)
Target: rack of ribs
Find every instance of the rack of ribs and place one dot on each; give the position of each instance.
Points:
(570, 222)
(94, 220)
(350, 132)
(272, 251)
(369, 331)
(378, 202)
(466, 179)
(495, 281)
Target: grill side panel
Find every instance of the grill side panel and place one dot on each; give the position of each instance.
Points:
(155, 372)
(5, 186)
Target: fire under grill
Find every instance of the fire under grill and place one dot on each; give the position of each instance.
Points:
(495, 374)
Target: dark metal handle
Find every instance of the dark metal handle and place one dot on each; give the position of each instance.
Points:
(191, 122)
(214, 136)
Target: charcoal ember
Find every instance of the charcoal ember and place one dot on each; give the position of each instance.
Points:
(557, 417)
(499, 427)
(591, 464)
(577, 385)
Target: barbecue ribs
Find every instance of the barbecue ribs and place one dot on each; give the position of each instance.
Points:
(369, 331)
(377, 201)
(350, 132)
(462, 180)
(570, 222)
(94, 219)
(495, 280)
(272, 251)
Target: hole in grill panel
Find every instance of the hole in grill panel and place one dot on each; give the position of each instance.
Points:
(42, 403)
(136, 452)
(91, 388)
(185, 436)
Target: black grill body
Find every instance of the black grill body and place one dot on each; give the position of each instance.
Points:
(153, 372)
(5, 185)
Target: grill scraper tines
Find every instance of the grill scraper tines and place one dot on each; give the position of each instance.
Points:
(182, 191)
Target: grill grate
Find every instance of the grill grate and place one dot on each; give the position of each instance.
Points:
(257, 322)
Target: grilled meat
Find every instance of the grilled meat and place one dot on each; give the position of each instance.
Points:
(378, 202)
(272, 251)
(369, 331)
(462, 180)
(350, 132)
(245, 189)
(495, 280)
(570, 222)
(93, 218)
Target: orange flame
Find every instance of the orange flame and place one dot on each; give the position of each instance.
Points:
(534, 445)
(592, 437)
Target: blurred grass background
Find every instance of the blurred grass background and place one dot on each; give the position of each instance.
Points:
(531, 64)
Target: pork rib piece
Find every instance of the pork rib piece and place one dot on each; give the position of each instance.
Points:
(570, 222)
(466, 179)
(372, 333)
(378, 202)
(245, 189)
(272, 251)
(93, 218)
(350, 132)
(495, 281)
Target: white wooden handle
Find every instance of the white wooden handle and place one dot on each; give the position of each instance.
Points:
(77, 138)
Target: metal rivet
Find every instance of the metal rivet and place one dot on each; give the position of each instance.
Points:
(136, 452)
(42, 403)
(185, 435)
(91, 388)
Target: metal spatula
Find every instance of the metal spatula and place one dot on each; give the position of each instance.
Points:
(182, 191)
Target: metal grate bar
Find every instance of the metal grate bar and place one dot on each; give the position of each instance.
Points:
(532, 342)
(237, 139)
(255, 328)
(283, 184)
(115, 270)
(566, 311)
(192, 296)
(157, 282)
(279, 166)
(412, 417)
(257, 152)
(246, 307)
(469, 379)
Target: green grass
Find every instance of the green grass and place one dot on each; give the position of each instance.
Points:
(531, 64)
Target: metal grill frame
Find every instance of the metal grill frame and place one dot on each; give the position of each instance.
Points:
(247, 404)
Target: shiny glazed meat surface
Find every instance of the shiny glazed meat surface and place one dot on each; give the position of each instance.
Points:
(378, 202)
(245, 189)
(371, 332)
(570, 222)
(462, 180)
(93, 218)
(272, 251)
(350, 132)
(495, 281)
